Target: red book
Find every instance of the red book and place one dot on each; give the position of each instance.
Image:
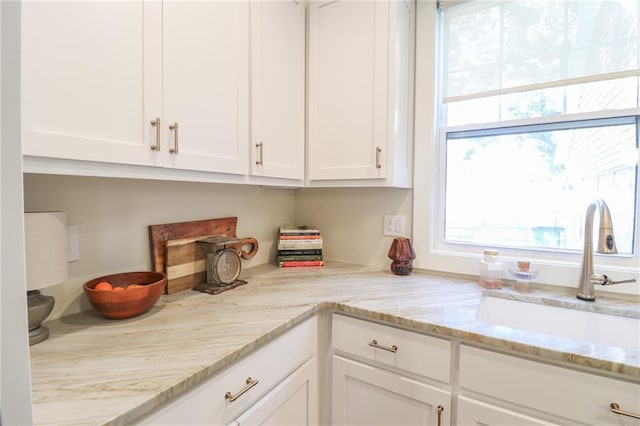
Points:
(300, 263)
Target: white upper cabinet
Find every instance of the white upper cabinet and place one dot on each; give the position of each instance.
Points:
(91, 80)
(138, 83)
(277, 88)
(216, 90)
(206, 85)
(360, 84)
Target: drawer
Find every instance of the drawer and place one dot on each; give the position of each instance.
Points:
(206, 402)
(551, 389)
(472, 412)
(416, 353)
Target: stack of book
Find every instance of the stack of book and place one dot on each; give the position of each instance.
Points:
(299, 246)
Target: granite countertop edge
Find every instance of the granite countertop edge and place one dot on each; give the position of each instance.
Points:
(458, 324)
(480, 338)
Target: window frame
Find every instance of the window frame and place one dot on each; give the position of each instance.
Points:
(558, 268)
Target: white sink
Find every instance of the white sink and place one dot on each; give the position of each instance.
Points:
(593, 327)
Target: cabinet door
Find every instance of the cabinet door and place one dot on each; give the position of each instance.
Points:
(570, 394)
(277, 88)
(91, 80)
(269, 367)
(366, 395)
(206, 85)
(348, 98)
(292, 402)
(472, 412)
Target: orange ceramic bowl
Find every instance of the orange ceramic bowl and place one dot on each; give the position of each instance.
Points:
(129, 302)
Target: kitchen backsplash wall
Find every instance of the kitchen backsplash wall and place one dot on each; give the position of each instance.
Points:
(351, 219)
(113, 214)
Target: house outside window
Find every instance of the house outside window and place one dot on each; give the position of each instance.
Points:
(526, 111)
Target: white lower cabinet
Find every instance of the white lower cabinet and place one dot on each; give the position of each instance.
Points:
(499, 389)
(387, 376)
(472, 412)
(292, 402)
(367, 395)
(383, 375)
(276, 384)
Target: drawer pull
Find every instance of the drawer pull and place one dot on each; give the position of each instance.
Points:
(374, 344)
(250, 383)
(174, 127)
(260, 160)
(156, 124)
(615, 408)
(440, 410)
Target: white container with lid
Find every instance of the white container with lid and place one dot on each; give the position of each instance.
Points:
(490, 272)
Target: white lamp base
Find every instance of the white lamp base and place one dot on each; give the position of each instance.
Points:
(39, 307)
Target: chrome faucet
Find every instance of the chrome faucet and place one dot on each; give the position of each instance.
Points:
(606, 245)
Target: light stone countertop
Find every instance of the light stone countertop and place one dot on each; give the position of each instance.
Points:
(99, 371)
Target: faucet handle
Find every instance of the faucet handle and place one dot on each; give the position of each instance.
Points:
(605, 280)
(631, 280)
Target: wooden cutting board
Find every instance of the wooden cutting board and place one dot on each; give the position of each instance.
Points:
(186, 263)
(175, 252)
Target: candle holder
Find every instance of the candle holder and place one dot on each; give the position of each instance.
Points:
(523, 279)
(402, 254)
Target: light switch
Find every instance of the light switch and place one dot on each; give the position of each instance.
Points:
(394, 225)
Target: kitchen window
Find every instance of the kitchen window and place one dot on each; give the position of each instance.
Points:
(526, 111)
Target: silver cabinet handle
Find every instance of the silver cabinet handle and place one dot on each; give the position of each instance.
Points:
(260, 147)
(615, 408)
(174, 127)
(250, 383)
(378, 151)
(374, 344)
(156, 124)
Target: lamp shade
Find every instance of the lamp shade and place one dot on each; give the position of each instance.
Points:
(45, 249)
(401, 249)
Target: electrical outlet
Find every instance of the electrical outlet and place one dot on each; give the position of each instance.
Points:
(394, 225)
(73, 244)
